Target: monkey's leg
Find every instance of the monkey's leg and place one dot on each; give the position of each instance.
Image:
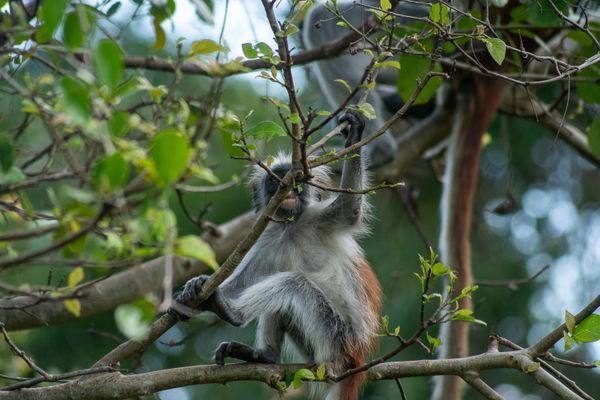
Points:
(243, 352)
(268, 344)
(303, 310)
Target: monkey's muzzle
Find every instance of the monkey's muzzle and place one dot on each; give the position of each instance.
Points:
(289, 202)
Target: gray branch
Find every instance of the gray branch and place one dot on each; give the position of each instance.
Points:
(117, 386)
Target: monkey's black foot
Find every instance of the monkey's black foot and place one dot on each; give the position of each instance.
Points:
(243, 352)
(356, 125)
(185, 299)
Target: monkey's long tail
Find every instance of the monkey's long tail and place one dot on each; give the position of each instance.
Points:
(348, 389)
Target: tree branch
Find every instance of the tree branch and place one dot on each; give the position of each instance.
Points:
(117, 385)
(550, 340)
(25, 312)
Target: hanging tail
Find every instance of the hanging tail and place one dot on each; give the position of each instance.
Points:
(348, 389)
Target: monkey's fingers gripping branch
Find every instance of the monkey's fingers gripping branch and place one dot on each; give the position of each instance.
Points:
(182, 300)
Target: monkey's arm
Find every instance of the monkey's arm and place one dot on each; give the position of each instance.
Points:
(216, 303)
(347, 208)
(320, 28)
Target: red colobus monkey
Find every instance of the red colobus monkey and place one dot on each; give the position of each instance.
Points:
(306, 281)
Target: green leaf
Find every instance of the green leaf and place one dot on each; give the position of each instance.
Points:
(345, 84)
(50, 14)
(169, 152)
(73, 306)
(593, 137)
(14, 175)
(160, 36)
(433, 342)
(385, 323)
(440, 13)
(113, 9)
(204, 173)
(193, 246)
(291, 29)
(385, 64)
(569, 341)
(321, 371)
(131, 321)
(569, 322)
(588, 330)
(498, 3)
(294, 118)
(162, 9)
(266, 130)
(7, 152)
(76, 100)
(421, 281)
(367, 110)
(589, 91)
(264, 49)
(289, 378)
(385, 5)
(302, 374)
(466, 315)
(439, 269)
(466, 291)
(109, 62)
(72, 32)
(206, 46)
(497, 49)
(75, 277)
(118, 125)
(29, 107)
(541, 13)
(78, 26)
(414, 68)
(249, 50)
(111, 172)
(463, 312)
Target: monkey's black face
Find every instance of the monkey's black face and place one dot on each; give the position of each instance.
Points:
(296, 201)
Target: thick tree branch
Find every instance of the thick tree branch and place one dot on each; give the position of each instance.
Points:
(550, 340)
(117, 385)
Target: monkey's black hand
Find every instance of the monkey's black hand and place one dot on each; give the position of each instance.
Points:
(356, 125)
(182, 307)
